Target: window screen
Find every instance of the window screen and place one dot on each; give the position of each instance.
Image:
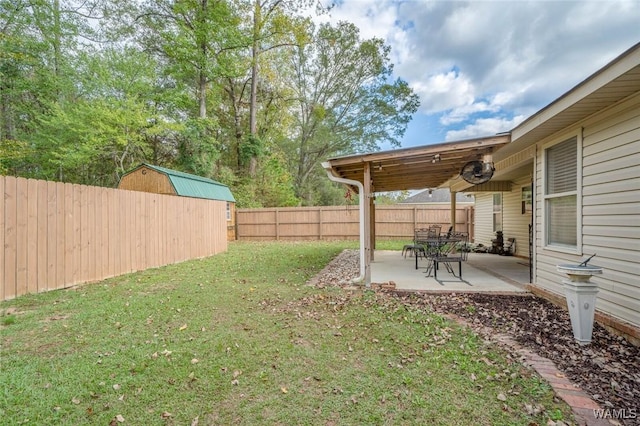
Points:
(561, 193)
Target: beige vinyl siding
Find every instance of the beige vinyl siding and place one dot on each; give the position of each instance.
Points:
(484, 219)
(610, 211)
(514, 223)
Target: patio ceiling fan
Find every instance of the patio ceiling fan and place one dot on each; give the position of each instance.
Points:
(477, 172)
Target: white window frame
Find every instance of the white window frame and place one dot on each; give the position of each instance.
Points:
(499, 211)
(228, 211)
(577, 249)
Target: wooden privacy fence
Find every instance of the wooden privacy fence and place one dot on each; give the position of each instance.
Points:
(56, 235)
(342, 222)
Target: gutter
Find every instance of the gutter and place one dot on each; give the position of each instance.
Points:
(335, 178)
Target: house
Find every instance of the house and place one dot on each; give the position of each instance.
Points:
(160, 180)
(573, 169)
(565, 183)
(438, 196)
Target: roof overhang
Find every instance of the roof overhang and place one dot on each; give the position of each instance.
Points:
(420, 167)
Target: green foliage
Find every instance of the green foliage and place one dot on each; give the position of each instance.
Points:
(251, 147)
(244, 89)
(198, 150)
(12, 153)
(271, 187)
(90, 142)
(388, 198)
(345, 101)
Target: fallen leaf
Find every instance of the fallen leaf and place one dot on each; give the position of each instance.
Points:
(183, 327)
(116, 387)
(235, 382)
(502, 397)
(194, 422)
(119, 418)
(236, 373)
(166, 415)
(75, 401)
(194, 361)
(284, 389)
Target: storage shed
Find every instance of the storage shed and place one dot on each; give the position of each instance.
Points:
(160, 180)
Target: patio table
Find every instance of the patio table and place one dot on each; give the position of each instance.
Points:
(437, 250)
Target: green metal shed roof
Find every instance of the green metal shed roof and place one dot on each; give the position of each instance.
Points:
(195, 186)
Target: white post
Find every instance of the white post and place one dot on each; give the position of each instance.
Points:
(581, 299)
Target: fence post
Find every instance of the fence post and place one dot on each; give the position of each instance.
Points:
(415, 217)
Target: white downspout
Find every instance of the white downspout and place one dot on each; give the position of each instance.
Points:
(334, 178)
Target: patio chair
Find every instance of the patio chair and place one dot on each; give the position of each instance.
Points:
(453, 250)
(427, 240)
(416, 247)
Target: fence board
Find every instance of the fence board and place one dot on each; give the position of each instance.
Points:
(2, 233)
(60, 235)
(84, 237)
(22, 212)
(43, 263)
(10, 238)
(67, 217)
(52, 233)
(102, 228)
(32, 236)
(77, 233)
(114, 262)
(125, 249)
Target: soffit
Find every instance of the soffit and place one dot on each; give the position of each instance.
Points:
(421, 167)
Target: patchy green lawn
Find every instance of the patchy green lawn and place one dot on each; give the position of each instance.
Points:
(239, 338)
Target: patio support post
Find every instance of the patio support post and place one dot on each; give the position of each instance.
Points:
(453, 210)
(367, 225)
(372, 206)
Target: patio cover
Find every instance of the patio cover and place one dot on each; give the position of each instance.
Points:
(429, 166)
(421, 167)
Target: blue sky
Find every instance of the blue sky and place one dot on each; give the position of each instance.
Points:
(481, 67)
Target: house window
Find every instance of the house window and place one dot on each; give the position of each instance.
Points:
(228, 211)
(497, 212)
(561, 194)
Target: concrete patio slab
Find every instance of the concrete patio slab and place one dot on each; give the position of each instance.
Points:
(481, 273)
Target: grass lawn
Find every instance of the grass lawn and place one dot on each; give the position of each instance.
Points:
(239, 338)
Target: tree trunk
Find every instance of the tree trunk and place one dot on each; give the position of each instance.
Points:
(255, 52)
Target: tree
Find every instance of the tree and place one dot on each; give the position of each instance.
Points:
(40, 41)
(272, 28)
(345, 101)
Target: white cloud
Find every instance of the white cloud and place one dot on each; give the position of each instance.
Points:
(484, 127)
(444, 91)
(500, 58)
